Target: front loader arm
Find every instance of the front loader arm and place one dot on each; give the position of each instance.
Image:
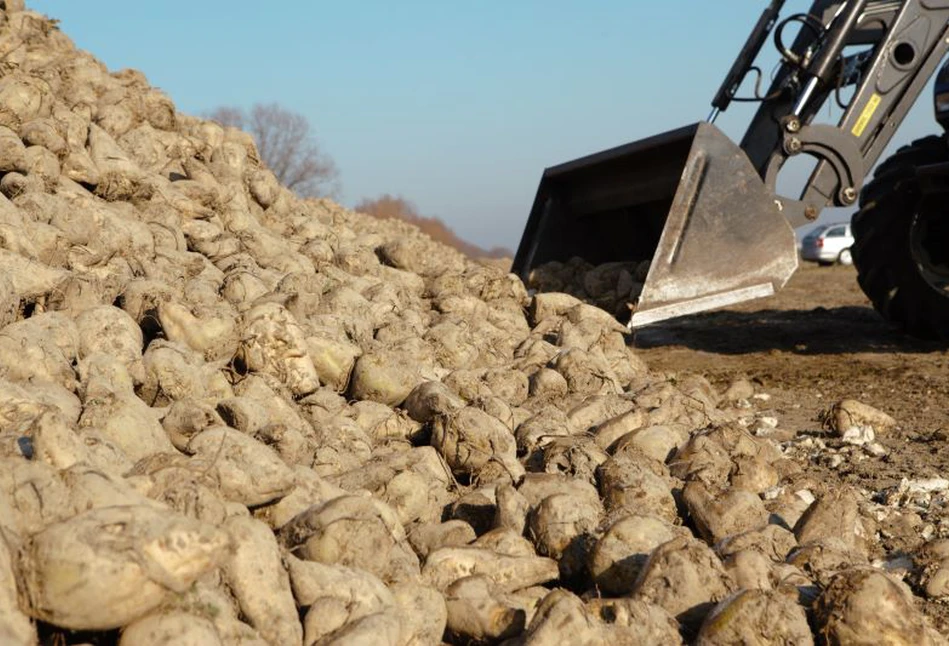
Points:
(697, 215)
(900, 45)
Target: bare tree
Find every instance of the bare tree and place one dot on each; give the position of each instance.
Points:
(286, 146)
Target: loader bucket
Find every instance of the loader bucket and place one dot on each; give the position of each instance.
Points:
(687, 200)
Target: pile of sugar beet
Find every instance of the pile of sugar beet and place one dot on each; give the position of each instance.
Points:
(231, 416)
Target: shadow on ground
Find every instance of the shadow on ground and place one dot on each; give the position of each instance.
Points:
(836, 330)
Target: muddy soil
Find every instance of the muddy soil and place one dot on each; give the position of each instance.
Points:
(816, 342)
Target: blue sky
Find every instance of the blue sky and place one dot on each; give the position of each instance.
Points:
(457, 106)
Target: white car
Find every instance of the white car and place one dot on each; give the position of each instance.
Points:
(828, 244)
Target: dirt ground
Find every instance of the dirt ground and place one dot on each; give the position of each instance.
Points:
(816, 342)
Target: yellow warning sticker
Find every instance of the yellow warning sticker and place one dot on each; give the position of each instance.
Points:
(866, 115)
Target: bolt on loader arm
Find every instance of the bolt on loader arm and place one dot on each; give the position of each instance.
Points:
(702, 212)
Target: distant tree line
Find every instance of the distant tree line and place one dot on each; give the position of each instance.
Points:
(288, 147)
(397, 207)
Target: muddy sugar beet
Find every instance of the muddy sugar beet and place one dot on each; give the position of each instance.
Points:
(232, 416)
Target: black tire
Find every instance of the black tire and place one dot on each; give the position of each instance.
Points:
(900, 166)
(901, 248)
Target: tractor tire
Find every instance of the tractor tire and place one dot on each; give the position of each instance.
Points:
(901, 248)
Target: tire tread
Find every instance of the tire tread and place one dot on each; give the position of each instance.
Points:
(881, 252)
